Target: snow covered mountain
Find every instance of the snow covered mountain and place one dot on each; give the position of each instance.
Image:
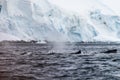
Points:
(42, 20)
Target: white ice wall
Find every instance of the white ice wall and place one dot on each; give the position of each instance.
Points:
(41, 20)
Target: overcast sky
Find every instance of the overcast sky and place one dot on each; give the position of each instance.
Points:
(80, 5)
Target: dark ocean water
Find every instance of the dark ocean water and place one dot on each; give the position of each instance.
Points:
(59, 62)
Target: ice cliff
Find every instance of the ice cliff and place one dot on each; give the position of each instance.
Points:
(41, 20)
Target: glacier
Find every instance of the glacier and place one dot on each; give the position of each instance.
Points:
(41, 20)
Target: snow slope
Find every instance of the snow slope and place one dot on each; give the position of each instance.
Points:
(42, 20)
(83, 6)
